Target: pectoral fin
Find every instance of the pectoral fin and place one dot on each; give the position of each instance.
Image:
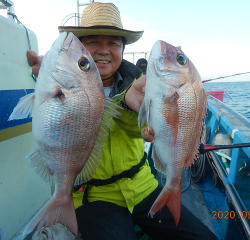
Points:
(24, 107)
(144, 113)
(171, 114)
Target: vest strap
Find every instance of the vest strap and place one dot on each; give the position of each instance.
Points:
(125, 174)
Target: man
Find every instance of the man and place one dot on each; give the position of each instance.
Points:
(119, 194)
(142, 64)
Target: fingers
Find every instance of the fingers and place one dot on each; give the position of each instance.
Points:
(34, 61)
(148, 136)
(139, 84)
(32, 58)
(135, 94)
(81, 189)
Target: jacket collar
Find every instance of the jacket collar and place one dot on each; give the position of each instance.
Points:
(125, 75)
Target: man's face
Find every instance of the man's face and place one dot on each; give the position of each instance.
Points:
(106, 52)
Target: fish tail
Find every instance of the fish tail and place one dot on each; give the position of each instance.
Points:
(171, 198)
(55, 210)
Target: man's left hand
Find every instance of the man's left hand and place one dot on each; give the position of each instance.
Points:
(135, 94)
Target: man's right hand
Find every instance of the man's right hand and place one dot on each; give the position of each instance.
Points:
(148, 134)
(34, 61)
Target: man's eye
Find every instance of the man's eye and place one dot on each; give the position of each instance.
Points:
(114, 44)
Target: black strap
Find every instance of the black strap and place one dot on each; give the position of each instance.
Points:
(125, 174)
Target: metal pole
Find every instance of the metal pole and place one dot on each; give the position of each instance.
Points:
(11, 10)
(78, 23)
(233, 195)
(208, 147)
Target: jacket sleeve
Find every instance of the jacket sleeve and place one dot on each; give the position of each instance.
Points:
(128, 120)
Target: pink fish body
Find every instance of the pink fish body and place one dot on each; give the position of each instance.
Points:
(68, 108)
(174, 106)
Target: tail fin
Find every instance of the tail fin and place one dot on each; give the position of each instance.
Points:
(171, 198)
(54, 211)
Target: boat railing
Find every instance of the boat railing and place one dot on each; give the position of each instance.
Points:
(235, 175)
(233, 195)
(146, 55)
(82, 5)
(76, 16)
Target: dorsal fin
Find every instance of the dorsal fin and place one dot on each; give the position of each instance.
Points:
(94, 162)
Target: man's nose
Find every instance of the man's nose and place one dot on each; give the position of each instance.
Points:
(103, 50)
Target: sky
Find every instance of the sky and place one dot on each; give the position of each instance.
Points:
(215, 35)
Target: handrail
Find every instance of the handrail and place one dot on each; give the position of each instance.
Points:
(82, 4)
(146, 55)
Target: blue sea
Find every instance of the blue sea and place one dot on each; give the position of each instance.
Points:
(238, 91)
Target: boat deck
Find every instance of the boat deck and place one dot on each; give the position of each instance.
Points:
(193, 200)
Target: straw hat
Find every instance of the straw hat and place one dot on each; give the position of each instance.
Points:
(102, 19)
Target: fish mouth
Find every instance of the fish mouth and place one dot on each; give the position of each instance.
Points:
(169, 74)
(176, 86)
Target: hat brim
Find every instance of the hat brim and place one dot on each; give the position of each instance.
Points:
(130, 36)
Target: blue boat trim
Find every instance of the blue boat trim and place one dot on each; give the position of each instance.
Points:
(223, 119)
(8, 101)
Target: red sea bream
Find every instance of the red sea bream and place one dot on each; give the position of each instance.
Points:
(174, 106)
(68, 108)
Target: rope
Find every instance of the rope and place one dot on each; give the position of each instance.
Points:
(201, 176)
(198, 169)
(27, 34)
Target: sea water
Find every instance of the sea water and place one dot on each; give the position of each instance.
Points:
(239, 93)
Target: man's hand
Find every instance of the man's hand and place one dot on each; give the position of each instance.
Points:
(133, 99)
(148, 136)
(34, 61)
(135, 94)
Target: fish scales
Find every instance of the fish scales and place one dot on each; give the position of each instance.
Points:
(68, 108)
(174, 106)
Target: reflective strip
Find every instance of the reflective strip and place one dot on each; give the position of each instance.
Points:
(12, 132)
(217, 114)
(234, 130)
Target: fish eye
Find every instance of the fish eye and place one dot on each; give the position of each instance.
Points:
(84, 64)
(182, 59)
